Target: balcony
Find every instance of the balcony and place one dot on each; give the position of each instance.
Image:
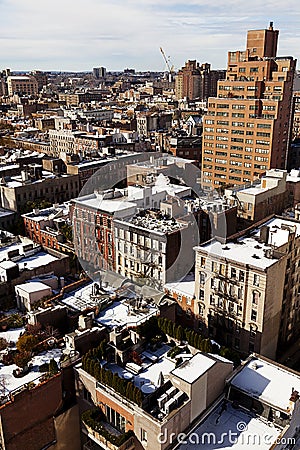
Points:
(104, 434)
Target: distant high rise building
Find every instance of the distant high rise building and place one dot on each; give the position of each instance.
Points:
(187, 81)
(40, 77)
(209, 81)
(99, 72)
(25, 85)
(247, 126)
(195, 81)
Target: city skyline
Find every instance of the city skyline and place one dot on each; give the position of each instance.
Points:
(76, 36)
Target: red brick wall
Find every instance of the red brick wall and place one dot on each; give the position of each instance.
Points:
(114, 405)
(27, 421)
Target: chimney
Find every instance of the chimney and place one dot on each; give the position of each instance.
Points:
(264, 234)
(271, 26)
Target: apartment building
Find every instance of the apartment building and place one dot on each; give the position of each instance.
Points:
(246, 287)
(296, 117)
(269, 197)
(147, 245)
(149, 121)
(93, 227)
(188, 147)
(26, 85)
(261, 395)
(209, 81)
(171, 395)
(44, 226)
(188, 80)
(34, 184)
(247, 127)
(197, 81)
(94, 216)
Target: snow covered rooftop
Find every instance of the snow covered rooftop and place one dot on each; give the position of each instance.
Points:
(279, 230)
(293, 176)
(156, 224)
(8, 383)
(119, 314)
(194, 368)
(184, 287)
(81, 298)
(232, 429)
(247, 250)
(6, 212)
(268, 382)
(37, 260)
(33, 286)
(150, 371)
(112, 206)
(12, 335)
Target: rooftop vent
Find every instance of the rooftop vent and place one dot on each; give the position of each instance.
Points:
(254, 366)
(255, 256)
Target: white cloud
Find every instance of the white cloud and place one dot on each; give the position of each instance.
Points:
(79, 34)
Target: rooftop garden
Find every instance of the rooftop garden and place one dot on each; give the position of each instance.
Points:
(157, 328)
(91, 364)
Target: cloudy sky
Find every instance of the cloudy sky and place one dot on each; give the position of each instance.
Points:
(81, 34)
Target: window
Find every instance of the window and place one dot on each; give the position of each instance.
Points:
(201, 294)
(222, 269)
(233, 272)
(144, 437)
(87, 395)
(202, 262)
(211, 300)
(115, 419)
(253, 315)
(256, 280)
(255, 297)
(202, 277)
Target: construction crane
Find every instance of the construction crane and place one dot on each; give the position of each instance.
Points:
(170, 68)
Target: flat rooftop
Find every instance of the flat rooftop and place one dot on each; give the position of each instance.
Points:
(159, 224)
(247, 250)
(33, 286)
(163, 162)
(232, 429)
(120, 313)
(279, 233)
(194, 368)
(268, 382)
(150, 371)
(8, 383)
(112, 206)
(184, 287)
(37, 260)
